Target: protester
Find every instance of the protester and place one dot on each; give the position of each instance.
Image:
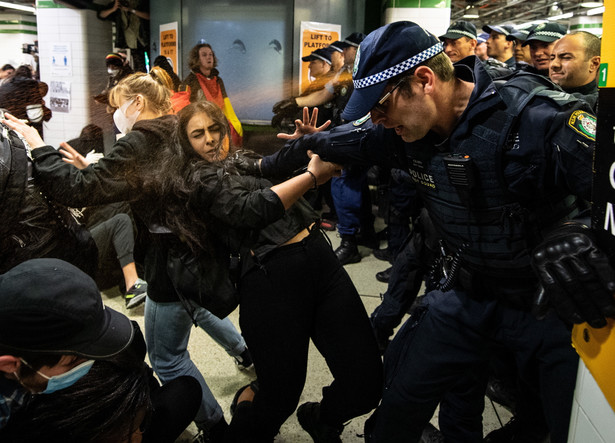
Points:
(142, 112)
(292, 288)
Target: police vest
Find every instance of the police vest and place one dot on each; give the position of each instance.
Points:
(467, 198)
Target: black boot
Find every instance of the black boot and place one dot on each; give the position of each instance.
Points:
(308, 415)
(384, 276)
(348, 252)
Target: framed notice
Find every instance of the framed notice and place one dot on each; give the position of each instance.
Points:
(315, 35)
(168, 43)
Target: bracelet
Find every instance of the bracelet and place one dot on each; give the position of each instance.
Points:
(313, 178)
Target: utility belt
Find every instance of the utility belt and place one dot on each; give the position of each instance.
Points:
(515, 288)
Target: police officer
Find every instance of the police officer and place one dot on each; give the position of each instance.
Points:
(575, 60)
(541, 41)
(498, 46)
(481, 47)
(460, 42)
(522, 53)
(468, 144)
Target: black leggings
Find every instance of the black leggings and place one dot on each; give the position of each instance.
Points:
(297, 293)
(174, 407)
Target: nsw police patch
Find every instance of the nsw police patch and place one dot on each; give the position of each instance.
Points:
(584, 123)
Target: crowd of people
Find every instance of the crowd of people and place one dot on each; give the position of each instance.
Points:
(486, 157)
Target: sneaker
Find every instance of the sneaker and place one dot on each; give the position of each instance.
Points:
(328, 225)
(244, 360)
(136, 294)
(308, 415)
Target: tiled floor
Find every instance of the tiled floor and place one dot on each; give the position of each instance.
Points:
(224, 378)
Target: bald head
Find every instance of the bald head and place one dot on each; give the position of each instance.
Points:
(575, 60)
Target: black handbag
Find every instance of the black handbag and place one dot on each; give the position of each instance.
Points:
(209, 279)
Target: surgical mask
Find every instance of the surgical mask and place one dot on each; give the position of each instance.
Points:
(113, 72)
(63, 381)
(123, 122)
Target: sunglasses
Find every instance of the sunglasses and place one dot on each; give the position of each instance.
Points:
(380, 106)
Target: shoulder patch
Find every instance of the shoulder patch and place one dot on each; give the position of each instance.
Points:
(362, 120)
(584, 123)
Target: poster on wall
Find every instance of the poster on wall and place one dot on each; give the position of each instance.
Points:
(59, 96)
(315, 35)
(61, 60)
(168, 43)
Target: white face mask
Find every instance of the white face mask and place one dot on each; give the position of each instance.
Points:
(123, 122)
(113, 72)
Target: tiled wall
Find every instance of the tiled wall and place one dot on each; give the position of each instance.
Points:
(15, 30)
(90, 41)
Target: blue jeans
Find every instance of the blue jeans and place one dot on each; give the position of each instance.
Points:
(167, 330)
(352, 202)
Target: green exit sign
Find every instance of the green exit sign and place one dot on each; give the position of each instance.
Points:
(604, 70)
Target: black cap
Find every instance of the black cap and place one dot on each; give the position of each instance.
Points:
(504, 29)
(353, 39)
(546, 32)
(323, 54)
(388, 51)
(519, 34)
(482, 37)
(337, 46)
(50, 306)
(460, 29)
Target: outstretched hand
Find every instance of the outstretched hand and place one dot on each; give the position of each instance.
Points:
(321, 169)
(305, 126)
(31, 135)
(73, 157)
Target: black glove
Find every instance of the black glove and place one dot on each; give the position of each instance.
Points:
(577, 278)
(247, 163)
(286, 106)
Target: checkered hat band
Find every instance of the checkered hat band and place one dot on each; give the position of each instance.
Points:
(463, 33)
(322, 58)
(549, 34)
(398, 68)
(351, 43)
(336, 48)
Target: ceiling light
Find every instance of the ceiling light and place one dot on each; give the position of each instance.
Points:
(591, 4)
(595, 11)
(470, 12)
(532, 23)
(555, 10)
(31, 9)
(561, 16)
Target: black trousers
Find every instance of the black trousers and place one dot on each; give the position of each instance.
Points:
(300, 292)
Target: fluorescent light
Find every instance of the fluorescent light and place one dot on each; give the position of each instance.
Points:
(595, 11)
(528, 24)
(470, 12)
(591, 4)
(561, 16)
(31, 9)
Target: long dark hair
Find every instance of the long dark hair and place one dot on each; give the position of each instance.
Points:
(181, 169)
(101, 407)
